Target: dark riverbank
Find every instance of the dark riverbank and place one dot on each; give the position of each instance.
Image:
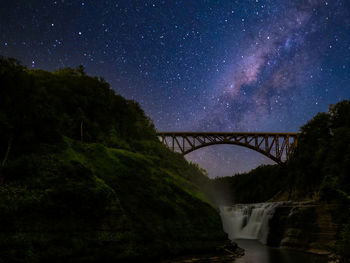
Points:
(224, 254)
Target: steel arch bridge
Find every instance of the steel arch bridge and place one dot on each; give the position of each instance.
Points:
(277, 146)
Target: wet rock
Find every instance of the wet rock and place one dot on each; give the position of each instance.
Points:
(306, 226)
(233, 248)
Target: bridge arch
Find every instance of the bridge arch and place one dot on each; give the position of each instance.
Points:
(276, 146)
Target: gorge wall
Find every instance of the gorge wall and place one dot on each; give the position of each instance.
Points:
(306, 226)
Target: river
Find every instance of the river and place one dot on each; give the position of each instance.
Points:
(255, 252)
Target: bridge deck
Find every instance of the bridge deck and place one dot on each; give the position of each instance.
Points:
(228, 133)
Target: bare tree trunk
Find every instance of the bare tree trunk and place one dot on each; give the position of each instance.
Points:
(9, 145)
(81, 131)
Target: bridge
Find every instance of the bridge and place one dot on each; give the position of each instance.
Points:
(275, 145)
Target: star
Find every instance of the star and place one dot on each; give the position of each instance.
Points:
(228, 66)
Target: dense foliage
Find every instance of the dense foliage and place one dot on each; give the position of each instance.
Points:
(258, 185)
(83, 177)
(41, 107)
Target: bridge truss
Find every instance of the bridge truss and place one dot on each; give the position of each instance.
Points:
(277, 146)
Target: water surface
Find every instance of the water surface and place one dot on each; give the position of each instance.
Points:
(255, 252)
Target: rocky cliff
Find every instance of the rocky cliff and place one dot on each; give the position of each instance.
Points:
(306, 226)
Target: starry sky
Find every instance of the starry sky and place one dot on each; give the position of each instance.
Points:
(197, 65)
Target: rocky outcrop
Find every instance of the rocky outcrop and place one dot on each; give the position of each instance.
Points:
(306, 226)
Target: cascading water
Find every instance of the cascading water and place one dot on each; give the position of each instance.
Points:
(248, 221)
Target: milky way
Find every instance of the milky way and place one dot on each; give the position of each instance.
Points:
(197, 65)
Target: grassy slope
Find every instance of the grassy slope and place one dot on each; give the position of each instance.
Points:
(119, 195)
(87, 202)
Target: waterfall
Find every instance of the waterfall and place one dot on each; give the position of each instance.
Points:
(248, 221)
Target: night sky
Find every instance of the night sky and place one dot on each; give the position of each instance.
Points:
(195, 65)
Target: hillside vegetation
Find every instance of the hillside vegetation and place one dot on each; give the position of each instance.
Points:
(84, 177)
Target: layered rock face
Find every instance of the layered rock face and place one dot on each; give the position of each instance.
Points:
(305, 226)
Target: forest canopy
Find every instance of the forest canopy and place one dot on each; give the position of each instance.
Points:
(37, 106)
